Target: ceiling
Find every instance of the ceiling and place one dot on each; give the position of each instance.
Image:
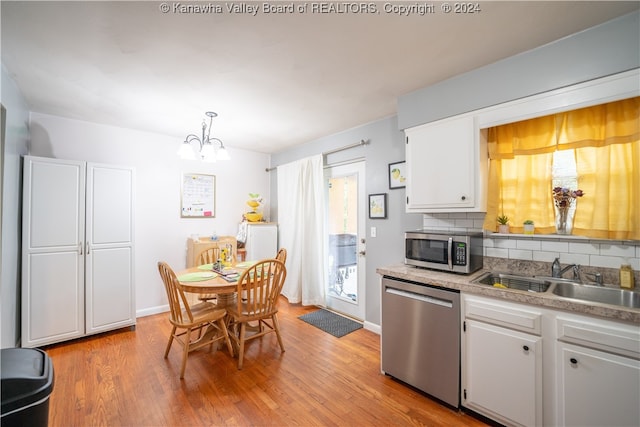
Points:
(275, 79)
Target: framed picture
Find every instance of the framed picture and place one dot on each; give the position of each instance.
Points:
(198, 198)
(378, 205)
(397, 175)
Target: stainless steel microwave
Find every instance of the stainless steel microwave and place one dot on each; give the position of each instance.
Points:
(455, 252)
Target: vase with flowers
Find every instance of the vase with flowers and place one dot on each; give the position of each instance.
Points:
(564, 199)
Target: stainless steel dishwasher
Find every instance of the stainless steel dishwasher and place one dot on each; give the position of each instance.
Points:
(420, 337)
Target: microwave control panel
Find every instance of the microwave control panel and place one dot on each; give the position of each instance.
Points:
(460, 254)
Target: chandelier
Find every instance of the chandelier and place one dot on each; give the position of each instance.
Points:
(209, 149)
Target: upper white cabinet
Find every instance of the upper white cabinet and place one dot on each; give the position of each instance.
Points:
(77, 250)
(446, 167)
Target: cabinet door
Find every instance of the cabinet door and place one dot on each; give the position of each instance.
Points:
(502, 373)
(441, 165)
(596, 388)
(52, 251)
(109, 248)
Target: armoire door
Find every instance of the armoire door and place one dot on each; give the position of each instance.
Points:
(109, 281)
(53, 252)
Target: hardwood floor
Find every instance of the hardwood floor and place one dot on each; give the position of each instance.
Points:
(121, 379)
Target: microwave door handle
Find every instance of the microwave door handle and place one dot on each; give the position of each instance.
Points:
(449, 253)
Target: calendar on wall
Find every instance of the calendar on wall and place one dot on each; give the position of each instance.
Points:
(198, 198)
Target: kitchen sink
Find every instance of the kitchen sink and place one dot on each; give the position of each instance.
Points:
(512, 281)
(599, 294)
(561, 287)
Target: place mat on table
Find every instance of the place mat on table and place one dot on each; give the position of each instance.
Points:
(332, 323)
(245, 264)
(197, 276)
(207, 267)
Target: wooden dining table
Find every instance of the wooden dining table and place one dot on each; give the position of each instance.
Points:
(203, 280)
(194, 280)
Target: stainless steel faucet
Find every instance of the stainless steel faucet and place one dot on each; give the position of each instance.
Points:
(557, 272)
(597, 277)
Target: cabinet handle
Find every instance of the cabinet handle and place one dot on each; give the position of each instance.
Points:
(80, 248)
(525, 347)
(463, 198)
(573, 361)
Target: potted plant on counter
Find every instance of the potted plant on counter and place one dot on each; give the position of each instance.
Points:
(528, 226)
(503, 224)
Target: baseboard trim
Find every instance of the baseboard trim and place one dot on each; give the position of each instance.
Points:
(372, 327)
(152, 310)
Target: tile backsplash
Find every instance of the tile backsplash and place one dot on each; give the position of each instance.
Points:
(596, 253)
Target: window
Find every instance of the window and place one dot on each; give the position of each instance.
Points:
(595, 149)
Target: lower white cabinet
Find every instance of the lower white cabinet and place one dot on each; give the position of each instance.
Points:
(502, 365)
(598, 373)
(524, 365)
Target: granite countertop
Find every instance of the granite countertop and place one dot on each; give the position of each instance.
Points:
(464, 283)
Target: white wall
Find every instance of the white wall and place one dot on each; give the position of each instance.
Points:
(15, 145)
(160, 233)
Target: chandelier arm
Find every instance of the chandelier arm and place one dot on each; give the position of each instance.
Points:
(219, 141)
(191, 137)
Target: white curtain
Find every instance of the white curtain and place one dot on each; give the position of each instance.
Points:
(301, 213)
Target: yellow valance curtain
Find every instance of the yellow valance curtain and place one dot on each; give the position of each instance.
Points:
(606, 140)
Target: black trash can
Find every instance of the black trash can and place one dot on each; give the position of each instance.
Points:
(27, 383)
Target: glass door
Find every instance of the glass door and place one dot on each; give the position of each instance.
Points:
(345, 196)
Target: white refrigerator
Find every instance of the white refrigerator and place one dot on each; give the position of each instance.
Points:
(262, 240)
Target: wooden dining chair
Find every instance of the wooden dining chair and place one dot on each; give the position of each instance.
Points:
(208, 256)
(204, 318)
(263, 283)
(282, 255)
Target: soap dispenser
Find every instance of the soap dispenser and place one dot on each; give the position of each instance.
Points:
(626, 276)
(555, 268)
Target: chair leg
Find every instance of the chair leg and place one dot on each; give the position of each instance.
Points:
(223, 328)
(185, 353)
(243, 327)
(276, 327)
(166, 352)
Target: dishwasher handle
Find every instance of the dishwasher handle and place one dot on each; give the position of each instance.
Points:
(420, 297)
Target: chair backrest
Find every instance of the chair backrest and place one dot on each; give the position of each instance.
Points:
(175, 294)
(263, 283)
(213, 253)
(282, 255)
(209, 256)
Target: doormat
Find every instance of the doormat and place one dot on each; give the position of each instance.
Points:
(336, 325)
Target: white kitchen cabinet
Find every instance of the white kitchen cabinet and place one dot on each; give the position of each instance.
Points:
(598, 373)
(502, 361)
(77, 250)
(262, 241)
(446, 167)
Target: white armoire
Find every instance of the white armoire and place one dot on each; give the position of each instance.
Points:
(77, 249)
